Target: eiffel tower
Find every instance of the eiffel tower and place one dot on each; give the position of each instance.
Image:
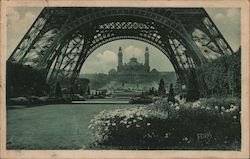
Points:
(61, 38)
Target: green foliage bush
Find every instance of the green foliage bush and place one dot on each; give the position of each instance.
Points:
(221, 76)
(193, 90)
(141, 100)
(221, 101)
(35, 100)
(23, 80)
(164, 124)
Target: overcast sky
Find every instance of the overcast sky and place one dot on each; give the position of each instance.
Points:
(105, 57)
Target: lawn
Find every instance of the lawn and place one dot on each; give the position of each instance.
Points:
(53, 126)
(162, 125)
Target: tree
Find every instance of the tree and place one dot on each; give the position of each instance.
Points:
(23, 80)
(221, 76)
(238, 72)
(58, 90)
(142, 93)
(88, 90)
(161, 88)
(151, 91)
(193, 87)
(171, 94)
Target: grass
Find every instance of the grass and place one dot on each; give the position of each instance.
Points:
(53, 126)
(65, 126)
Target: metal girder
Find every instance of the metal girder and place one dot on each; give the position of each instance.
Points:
(67, 58)
(61, 39)
(205, 24)
(22, 48)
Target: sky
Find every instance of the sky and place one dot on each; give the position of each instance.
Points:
(105, 57)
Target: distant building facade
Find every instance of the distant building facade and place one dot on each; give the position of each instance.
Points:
(133, 71)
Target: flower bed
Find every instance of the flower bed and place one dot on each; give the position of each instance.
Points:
(162, 124)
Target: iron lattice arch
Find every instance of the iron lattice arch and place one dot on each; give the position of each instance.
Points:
(61, 39)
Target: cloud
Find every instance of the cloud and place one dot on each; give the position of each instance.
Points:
(107, 57)
(232, 12)
(100, 62)
(133, 51)
(18, 25)
(219, 16)
(13, 16)
(228, 13)
(228, 22)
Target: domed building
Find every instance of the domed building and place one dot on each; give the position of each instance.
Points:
(130, 75)
(133, 71)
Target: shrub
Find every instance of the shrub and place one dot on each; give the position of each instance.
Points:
(164, 124)
(141, 100)
(19, 100)
(23, 80)
(221, 101)
(35, 100)
(116, 127)
(221, 76)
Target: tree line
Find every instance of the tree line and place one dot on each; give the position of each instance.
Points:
(23, 80)
(221, 77)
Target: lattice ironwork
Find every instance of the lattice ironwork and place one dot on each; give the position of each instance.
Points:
(61, 39)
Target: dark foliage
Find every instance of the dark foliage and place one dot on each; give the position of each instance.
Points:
(82, 87)
(171, 94)
(221, 77)
(58, 90)
(193, 93)
(161, 88)
(23, 80)
(198, 125)
(143, 99)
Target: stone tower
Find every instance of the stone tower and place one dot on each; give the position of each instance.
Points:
(119, 67)
(147, 60)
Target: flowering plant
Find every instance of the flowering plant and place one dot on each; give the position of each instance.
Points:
(107, 123)
(163, 124)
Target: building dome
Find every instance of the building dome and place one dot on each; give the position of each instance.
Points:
(133, 62)
(154, 71)
(112, 72)
(133, 59)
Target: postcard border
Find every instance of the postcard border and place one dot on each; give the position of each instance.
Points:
(244, 153)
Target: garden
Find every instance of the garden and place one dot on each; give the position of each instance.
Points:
(212, 123)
